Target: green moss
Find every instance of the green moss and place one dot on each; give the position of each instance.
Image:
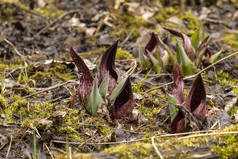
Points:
(126, 23)
(16, 103)
(235, 2)
(3, 103)
(70, 126)
(228, 149)
(166, 13)
(149, 112)
(105, 131)
(49, 11)
(231, 39)
(42, 79)
(123, 54)
(3, 67)
(95, 121)
(134, 151)
(234, 110)
(77, 156)
(191, 22)
(61, 71)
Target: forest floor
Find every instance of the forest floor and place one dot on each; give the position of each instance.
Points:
(41, 115)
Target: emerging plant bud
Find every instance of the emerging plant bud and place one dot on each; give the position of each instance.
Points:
(123, 104)
(86, 79)
(187, 44)
(195, 102)
(93, 93)
(107, 64)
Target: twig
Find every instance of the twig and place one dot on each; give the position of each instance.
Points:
(211, 134)
(156, 149)
(192, 76)
(9, 147)
(51, 155)
(50, 88)
(13, 46)
(143, 139)
(131, 70)
(127, 38)
(55, 21)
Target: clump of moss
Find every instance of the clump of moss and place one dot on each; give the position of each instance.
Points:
(3, 103)
(234, 110)
(128, 22)
(16, 103)
(49, 11)
(62, 71)
(235, 2)
(42, 79)
(166, 13)
(133, 151)
(123, 54)
(231, 39)
(149, 113)
(3, 67)
(228, 149)
(191, 22)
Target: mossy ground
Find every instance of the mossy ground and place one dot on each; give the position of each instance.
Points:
(189, 20)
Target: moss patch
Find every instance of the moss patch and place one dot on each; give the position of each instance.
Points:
(126, 23)
(191, 22)
(235, 2)
(133, 151)
(231, 39)
(123, 54)
(62, 71)
(166, 13)
(42, 79)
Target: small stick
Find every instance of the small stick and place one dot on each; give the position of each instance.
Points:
(156, 149)
(9, 147)
(55, 21)
(13, 46)
(143, 139)
(50, 88)
(211, 134)
(192, 76)
(51, 155)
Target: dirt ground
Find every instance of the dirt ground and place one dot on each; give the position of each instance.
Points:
(41, 115)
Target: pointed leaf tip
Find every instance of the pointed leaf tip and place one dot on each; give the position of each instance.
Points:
(107, 64)
(86, 79)
(123, 104)
(151, 45)
(196, 101)
(178, 85)
(187, 44)
(82, 67)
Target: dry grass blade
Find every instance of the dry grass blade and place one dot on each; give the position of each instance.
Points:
(156, 149)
